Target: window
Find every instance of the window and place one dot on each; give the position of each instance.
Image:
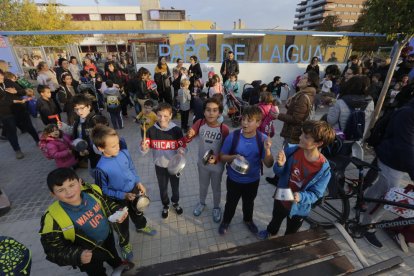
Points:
(341, 5)
(349, 5)
(80, 17)
(113, 17)
(347, 13)
(139, 17)
(167, 15)
(338, 12)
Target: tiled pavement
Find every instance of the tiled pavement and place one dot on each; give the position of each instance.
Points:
(178, 236)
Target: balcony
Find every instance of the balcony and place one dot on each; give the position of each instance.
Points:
(312, 4)
(307, 25)
(308, 18)
(319, 9)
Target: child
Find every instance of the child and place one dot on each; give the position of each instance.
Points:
(198, 106)
(198, 87)
(184, 74)
(269, 113)
(304, 170)
(152, 88)
(253, 146)
(184, 98)
(326, 96)
(166, 139)
(231, 84)
(57, 145)
(118, 178)
(215, 86)
(212, 135)
(276, 87)
(113, 104)
(31, 102)
(75, 230)
(83, 125)
(46, 106)
(147, 117)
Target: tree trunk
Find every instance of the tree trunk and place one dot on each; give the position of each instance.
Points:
(381, 98)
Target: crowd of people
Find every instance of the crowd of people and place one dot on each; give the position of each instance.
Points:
(78, 228)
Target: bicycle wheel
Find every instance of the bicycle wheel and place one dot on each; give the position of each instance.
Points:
(329, 209)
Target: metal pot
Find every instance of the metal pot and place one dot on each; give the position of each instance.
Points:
(207, 156)
(80, 145)
(141, 202)
(176, 164)
(284, 194)
(240, 165)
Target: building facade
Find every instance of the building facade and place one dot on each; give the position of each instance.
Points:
(310, 13)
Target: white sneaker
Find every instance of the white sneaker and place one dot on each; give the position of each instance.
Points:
(199, 209)
(401, 241)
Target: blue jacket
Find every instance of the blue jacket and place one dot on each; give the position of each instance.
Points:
(312, 191)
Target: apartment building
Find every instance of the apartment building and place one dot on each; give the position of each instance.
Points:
(310, 13)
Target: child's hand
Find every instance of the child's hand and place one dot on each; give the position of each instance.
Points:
(130, 196)
(141, 188)
(86, 256)
(296, 197)
(212, 159)
(268, 143)
(181, 151)
(144, 146)
(84, 153)
(281, 158)
(190, 133)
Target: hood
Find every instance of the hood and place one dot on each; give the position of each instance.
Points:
(170, 126)
(310, 91)
(357, 101)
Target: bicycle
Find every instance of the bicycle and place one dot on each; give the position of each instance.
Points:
(335, 207)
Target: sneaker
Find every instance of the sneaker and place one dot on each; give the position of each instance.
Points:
(273, 180)
(199, 209)
(177, 208)
(263, 235)
(124, 267)
(401, 241)
(19, 154)
(372, 239)
(252, 227)
(147, 230)
(217, 215)
(126, 252)
(223, 228)
(164, 213)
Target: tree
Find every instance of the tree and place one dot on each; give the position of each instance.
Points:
(24, 15)
(331, 23)
(395, 19)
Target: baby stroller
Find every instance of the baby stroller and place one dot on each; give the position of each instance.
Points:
(250, 90)
(235, 107)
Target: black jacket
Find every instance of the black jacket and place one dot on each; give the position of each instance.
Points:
(228, 67)
(86, 129)
(45, 109)
(397, 147)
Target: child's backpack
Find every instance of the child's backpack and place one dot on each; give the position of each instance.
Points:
(15, 258)
(355, 124)
(266, 126)
(32, 106)
(112, 102)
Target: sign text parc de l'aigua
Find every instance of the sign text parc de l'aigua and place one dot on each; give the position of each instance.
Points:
(291, 54)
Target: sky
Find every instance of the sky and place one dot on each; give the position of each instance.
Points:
(256, 14)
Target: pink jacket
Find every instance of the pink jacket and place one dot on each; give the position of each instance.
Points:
(267, 108)
(59, 149)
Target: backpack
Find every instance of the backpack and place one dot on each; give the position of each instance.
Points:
(266, 125)
(355, 124)
(15, 258)
(112, 102)
(377, 132)
(235, 142)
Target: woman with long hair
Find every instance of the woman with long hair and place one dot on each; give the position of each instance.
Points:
(162, 79)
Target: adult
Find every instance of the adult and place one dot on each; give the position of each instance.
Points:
(65, 95)
(46, 76)
(275, 87)
(74, 68)
(313, 66)
(89, 65)
(117, 78)
(139, 86)
(13, 113)
(229, 66)
(162, 79)
(27, 62)
(62, 69)
(176, 69)
(383, 67)
(395, 154)
(354, 94)
(333, 57)
(299, 107)
(354, 63)
(194, 72)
